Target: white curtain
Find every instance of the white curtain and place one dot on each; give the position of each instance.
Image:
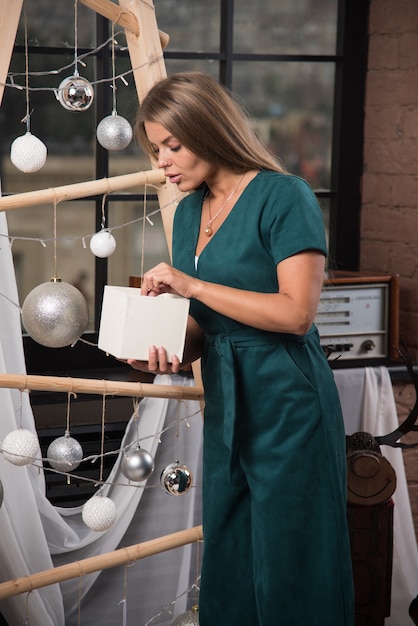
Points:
(36, 536)
(368, 405)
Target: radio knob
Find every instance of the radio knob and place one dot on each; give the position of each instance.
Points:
(368, 345)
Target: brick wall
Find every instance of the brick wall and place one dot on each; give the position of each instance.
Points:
(389, 222)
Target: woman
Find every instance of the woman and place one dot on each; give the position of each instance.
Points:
(249, 251)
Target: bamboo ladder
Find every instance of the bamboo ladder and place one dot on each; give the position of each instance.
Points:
(145, 45)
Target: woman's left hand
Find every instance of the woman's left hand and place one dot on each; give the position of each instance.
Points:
(165, 279)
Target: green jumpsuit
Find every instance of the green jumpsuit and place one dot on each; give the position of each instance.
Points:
(276, 546)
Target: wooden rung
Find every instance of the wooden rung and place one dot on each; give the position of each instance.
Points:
(126, 19)
(100, 387)
(82, 190)
(123, 556)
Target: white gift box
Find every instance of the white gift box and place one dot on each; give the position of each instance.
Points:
(130, 323)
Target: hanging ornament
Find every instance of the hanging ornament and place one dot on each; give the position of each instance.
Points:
(28, 153)
(65, 453)
(75, 93)
(99, 513)
(55, 314)
(103, 244)
(137, 464)
(176, 479)
(189, 618)
(114, 132)
(20, 447)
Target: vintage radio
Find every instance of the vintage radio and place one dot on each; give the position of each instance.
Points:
(358, 316)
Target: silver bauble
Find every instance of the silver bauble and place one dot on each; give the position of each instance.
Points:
(114, 132)
(20, 447)
(103, 244)
(28, 153)
(136, 463)
(176, 479)
(64, 453)
(189, 618)
(1, 493)
(99, 513)
(75, 93)
(55, 314)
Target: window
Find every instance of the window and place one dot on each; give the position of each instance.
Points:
(297, 65)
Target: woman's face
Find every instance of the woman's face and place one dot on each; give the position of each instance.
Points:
(181, 166)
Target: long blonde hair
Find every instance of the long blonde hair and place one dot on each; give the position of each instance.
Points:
(204, 117)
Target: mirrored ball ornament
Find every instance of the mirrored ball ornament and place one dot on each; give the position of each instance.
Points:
(189, 618)
(103, 244)
(20, 446)
(55, 314)
(136, 463)
(64, 453)
(99, 513)
(176, 479)
(28, 153)
(114, 132)
(75, 93)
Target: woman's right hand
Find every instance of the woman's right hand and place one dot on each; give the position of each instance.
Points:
(157, 363)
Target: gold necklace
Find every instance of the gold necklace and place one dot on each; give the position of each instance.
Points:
(208, 230)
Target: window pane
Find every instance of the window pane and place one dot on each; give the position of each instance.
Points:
(293, 107)
(286, 27)
(192, 26)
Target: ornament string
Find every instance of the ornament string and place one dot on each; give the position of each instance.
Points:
(27, 616)
(27, 116)
(75, 37)
(55, 238)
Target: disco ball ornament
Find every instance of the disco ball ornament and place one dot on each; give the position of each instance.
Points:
(189, 618)
(55, 314)
(114, 132)
(176, 479)
(20, 447)
(103, 244)
(28, 153)
(137, 464)
(75, 93)
(64, 453)
(99, 513)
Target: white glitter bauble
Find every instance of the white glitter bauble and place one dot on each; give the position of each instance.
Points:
(99, 513)
(103, 244)
(20, 447)
(114, 132)
(28, 153)
(176, 479)
(189, 618)
(55, 314)
(64, 453)
(75, 93)
(136, 463)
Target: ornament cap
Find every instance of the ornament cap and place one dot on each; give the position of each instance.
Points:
(56, 279)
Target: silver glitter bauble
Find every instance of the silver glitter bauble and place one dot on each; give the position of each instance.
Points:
(99, 513)
(65, 453)
(28, 153)
(20, 447)
(75, 93)
(114, 132)
(176, 479)
(136, 464)
(189, 618)
(103, 244)
(55, 314)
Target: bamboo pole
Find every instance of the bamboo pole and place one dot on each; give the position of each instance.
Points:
(100, 387)
(124, 18)
(100, 562)
(10, 11)
(82, 190)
